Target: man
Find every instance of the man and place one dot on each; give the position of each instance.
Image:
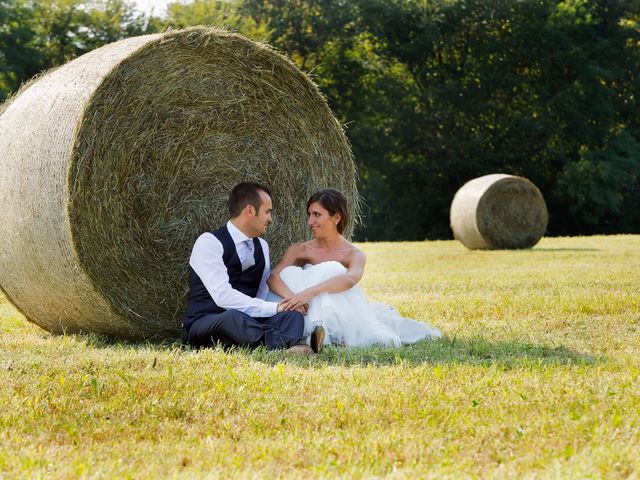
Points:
(228, 269)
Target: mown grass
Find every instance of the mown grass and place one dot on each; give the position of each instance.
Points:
(538, 377)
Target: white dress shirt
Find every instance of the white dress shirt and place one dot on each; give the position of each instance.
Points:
(206, 260)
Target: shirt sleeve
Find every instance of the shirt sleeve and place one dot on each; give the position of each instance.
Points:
(206, 261)
(263, 289)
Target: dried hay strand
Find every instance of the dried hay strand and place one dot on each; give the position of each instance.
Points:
(498, 211)
(113, 164)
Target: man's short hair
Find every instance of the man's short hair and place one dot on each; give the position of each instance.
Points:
(246, 193)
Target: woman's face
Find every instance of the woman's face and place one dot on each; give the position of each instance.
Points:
(320, 221)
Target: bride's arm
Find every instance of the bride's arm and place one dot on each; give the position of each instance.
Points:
(336, 284)
(275, 283)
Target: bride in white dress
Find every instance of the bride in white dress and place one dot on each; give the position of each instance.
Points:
(321, 277)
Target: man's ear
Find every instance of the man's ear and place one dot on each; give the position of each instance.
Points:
(250, 209)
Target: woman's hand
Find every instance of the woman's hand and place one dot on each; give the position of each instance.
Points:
(284, 308)
(299, 300)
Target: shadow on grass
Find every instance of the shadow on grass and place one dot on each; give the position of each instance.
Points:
(97, 340)
(536, 249)
(476, 351)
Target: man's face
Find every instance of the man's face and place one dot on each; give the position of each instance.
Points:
(262, 218)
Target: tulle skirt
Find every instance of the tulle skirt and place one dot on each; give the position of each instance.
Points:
(348, 317)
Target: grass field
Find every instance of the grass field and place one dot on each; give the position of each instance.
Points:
(538, 376)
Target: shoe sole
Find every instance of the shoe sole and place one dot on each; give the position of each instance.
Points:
(317, 339)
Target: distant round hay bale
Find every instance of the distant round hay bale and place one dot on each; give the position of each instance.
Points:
(498, 211)
(113, 164)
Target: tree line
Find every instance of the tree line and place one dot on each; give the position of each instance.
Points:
(432, 93)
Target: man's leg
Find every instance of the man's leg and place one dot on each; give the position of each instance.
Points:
(283, 330)
(230, 327)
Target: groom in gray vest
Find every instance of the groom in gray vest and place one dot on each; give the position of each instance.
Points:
(228, 270)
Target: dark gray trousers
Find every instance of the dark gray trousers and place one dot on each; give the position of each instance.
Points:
(232, 327)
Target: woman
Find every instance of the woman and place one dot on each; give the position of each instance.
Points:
(327, 285)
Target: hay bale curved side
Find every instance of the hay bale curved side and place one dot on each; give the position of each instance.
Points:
(161, 140)
(40, 270)
(498, 211)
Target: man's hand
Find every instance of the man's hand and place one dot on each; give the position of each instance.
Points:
(285, 306)
(299, 300)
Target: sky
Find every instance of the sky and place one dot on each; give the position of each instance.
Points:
(158, 6)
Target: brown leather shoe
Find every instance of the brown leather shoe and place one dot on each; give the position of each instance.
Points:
(300, 350)
(316, 339)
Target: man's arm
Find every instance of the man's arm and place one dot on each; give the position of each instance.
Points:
(206, 261)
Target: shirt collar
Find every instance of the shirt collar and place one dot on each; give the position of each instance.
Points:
(236, 235)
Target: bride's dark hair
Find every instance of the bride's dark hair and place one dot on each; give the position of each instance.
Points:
(334, 202)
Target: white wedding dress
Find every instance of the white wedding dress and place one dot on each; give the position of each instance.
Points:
(348, 317)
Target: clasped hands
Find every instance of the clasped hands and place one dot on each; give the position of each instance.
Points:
(298, 302)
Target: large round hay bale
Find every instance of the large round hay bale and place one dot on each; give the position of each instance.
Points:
(113, 164)
(498, 211)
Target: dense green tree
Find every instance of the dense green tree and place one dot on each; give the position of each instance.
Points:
(107, 21)
(542, 89)
(37, 35)
(68, 28)
(304, 29)
(432, 92)
(202, 12)
(20, 57)
(217, 13)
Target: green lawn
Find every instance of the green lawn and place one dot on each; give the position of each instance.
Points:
(538, 376)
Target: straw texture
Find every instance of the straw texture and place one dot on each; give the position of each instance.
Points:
(112, 165)
(498, 211)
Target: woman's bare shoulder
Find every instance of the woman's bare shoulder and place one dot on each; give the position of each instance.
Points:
(300, 246)
(298, 250)
(356, 253)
